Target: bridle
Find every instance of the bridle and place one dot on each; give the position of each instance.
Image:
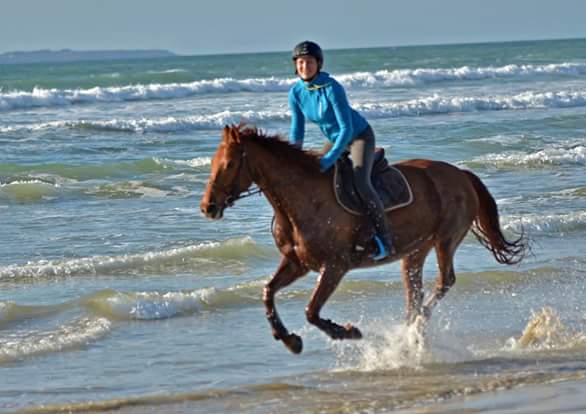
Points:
(230, 196)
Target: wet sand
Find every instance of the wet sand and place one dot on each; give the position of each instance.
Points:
(560, 397)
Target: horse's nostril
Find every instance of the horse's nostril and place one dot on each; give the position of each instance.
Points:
(210, 209)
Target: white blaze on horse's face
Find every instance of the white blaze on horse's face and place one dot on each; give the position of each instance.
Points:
(224, 183)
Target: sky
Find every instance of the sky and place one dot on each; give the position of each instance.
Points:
(193, 27)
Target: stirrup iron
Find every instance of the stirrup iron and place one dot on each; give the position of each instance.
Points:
(382, 253)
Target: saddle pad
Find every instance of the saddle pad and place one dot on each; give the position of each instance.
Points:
(390, 184)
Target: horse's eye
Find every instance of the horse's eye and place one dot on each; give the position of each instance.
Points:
(230, 164)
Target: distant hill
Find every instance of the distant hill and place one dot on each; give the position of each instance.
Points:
(68, 55)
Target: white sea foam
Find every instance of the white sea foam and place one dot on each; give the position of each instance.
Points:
(409, 77)
(78, 333)
(551, 155)
(182, 256)
(163, 305)
(437, 104)
(546, 223)
(192, 163)
(157, 72)
(166, 124)
(59, 97)
(149, 305)
(40, 97)
(430, 105)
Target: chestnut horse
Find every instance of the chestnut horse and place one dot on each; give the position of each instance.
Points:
(313, 232)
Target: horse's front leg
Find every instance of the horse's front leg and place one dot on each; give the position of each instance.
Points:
(326, 284)
(288, 271)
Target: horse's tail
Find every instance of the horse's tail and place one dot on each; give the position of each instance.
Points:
(487, 229)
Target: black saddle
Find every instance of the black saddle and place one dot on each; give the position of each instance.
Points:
(390, 184)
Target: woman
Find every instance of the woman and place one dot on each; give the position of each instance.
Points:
(321, 99)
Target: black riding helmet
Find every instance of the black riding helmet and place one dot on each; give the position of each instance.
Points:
(308, 48)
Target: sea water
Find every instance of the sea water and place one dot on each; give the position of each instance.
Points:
(115, 292)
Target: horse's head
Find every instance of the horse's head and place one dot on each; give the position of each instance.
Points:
(229, 175)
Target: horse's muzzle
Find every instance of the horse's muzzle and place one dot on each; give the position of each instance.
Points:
(212, 211)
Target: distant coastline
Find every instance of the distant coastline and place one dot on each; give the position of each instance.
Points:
(68, 55)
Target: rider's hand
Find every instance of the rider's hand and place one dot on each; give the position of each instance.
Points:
(325, 164)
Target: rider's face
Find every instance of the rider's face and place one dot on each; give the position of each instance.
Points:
(306, 67)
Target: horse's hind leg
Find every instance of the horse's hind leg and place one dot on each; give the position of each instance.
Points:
(411, 273)
(288, 271)
(446, 277)
(326, 284)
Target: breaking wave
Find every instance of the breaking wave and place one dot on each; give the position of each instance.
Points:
(555, 154)
(76, 334)
(430, 105)
(156, 261)
(39, 97)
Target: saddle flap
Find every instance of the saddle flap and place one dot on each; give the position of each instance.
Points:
(389, 183)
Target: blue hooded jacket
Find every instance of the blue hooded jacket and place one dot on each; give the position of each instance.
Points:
(324, 102)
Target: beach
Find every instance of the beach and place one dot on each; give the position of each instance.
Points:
(117, 294)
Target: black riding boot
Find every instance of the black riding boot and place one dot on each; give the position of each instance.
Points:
(383, 236)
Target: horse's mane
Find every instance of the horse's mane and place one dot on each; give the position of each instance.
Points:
(280, 146)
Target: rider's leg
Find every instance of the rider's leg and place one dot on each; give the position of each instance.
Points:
(362, 152)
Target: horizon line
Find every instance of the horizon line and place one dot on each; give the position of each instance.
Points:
(456, 43)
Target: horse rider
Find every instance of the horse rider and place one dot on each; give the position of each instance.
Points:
(321, 99)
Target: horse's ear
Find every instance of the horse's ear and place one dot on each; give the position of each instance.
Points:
(225, 132)
(234, 135)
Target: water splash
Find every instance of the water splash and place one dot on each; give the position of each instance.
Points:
(384, 348)
(545, 331)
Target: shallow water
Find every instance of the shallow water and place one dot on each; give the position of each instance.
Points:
(115, 293)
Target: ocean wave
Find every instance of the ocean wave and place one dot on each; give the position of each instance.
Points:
(554, 154)
(11, 312)
(192, 163)
(28, 191)
(120, 305)
(58, 174)
(547, 223)
(77, 333)
(40, 97)
(437, 104)
(129, 189)
(411, 77)
(192, 256)
(163, 305)
(430, 105)
(162, 125)
(37, 183)
(34, 191)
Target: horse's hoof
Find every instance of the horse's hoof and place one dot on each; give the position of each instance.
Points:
(294, 343)
(352, 332)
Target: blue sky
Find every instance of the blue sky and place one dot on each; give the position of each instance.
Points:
(222, 26)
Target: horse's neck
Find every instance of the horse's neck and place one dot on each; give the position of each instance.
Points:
(289, 188)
